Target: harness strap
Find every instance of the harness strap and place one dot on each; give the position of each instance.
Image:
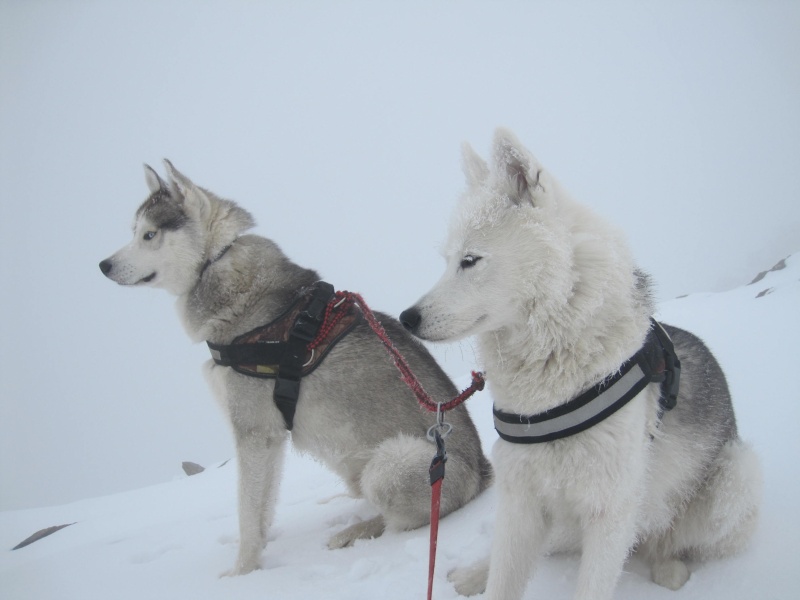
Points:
(267, 352)
(655, 362)
(672, 370)
(283, 359)
(304, 330)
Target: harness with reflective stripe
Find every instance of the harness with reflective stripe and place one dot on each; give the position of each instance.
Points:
(655, 362)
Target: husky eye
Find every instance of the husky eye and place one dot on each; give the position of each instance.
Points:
(149, 235)
(469, 261)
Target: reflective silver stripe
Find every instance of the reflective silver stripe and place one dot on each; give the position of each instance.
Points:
(580, 415)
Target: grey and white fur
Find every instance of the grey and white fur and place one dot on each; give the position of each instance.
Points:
(354, 413)
(557, 305)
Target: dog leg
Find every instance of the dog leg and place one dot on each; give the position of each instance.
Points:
(260, 463)
(519, 536)
(718, 521)
(396, 481)
(721, 517)
(607, 540)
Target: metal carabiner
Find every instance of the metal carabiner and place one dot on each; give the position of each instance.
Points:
(440, 426)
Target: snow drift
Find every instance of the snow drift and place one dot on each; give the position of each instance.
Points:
(173, 540)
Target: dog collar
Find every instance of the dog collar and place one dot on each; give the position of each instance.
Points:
(655, 362)
(211, 261)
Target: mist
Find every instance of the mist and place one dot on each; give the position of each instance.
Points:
(338, 125)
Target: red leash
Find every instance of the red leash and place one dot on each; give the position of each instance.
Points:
(437, 476)
(335, 310)
(343, 300)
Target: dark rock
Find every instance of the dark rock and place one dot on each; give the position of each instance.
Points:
(42, 533)
(780, 265)
(191, 468)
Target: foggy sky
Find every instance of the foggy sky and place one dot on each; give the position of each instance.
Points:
(338, 125)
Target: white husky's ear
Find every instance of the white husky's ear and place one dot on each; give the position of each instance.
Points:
(512, 160)
(154, 182)
(185, 191)
(475, 168)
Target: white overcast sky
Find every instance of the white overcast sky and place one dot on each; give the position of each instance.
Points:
(338, 125)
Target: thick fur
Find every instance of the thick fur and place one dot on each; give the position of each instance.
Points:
(557, 305)
(354, 412)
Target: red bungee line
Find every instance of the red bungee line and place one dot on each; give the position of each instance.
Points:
(343, 300)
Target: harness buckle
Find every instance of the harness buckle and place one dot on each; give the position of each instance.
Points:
(304, 328)
(672, 382)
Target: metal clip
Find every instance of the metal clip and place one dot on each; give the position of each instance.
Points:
(442, 428)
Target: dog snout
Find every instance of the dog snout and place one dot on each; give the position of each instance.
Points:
(105, 266)
(411, 319)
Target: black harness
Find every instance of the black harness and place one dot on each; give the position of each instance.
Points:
(655, 362)
(279, 350)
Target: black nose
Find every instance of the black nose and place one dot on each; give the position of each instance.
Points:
(105, 266)
(410, 319)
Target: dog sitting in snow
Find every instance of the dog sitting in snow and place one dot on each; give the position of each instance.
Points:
(589, 459)
(351, 410)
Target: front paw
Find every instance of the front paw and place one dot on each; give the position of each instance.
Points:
(671, 574)
(470, 581)
(241, 568)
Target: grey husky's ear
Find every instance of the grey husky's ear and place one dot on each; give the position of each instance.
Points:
(154, 182)
(513, 160)
(194, 199)
(475, 168)
(180, 183)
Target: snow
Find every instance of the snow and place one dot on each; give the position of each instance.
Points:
(174, 540)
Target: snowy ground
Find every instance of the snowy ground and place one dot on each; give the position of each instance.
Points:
(174, 539)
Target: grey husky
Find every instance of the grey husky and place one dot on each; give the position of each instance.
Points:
(353, 413)
(558, 308)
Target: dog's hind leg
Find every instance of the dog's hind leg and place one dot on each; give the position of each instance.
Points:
(366, 530)
(718, 521)
(260, 461)
(397, 482)
(722, 517)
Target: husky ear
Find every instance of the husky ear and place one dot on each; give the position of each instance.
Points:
(186, 192)
(180, 183)
(513, 161)
(154, 182)
(475, 168)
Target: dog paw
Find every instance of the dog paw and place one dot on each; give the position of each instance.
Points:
(470, 581)
(366, 530)
(240, 569)
(671, 574)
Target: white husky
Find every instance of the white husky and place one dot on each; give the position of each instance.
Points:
(559, 308)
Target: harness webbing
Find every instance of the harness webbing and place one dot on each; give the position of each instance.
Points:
(283, 360)
(304, 330)
(655, 362)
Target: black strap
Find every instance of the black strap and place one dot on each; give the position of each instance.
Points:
(266, 353)
(303, 331)
(672, 370)
(655, 362)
